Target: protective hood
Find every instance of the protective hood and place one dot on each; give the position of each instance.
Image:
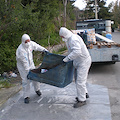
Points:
(24, 38)
(65, 33)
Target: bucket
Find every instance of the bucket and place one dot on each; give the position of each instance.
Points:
(109, 36)
(108, 26)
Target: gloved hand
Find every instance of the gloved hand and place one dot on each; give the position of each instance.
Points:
(45, 51)
(65, 59)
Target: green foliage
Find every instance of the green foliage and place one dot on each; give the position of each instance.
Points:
(41, 19)
(70, 11)
(60, 51)
(38, 57)
(25, 2)
(116, 13)
(103, 12)
(5, 84)
(88, 13)
(7, 55)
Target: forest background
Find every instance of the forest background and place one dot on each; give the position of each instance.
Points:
(41, 19)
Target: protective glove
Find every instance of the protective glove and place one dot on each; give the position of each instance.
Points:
(45, 51)
(65, 59)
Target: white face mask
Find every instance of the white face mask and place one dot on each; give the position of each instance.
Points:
(27, 45)
(63, 39)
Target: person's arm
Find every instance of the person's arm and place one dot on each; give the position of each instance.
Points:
(38, 47)
(76, 51)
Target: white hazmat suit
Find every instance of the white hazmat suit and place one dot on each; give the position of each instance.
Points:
(81, 60)
(25, 62)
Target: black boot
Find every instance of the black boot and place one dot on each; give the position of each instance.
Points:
(38, 93)
(26, 100)
(87, 96)
(79, 104)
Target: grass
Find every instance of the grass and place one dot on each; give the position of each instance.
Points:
(5, 84)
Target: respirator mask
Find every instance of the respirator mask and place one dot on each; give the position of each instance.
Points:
(27, 45)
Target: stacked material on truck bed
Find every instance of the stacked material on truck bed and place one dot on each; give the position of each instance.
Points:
(102, 44)
(88, 35)
(56, 73)
(103, 38)
(93, 39)
(109, 45)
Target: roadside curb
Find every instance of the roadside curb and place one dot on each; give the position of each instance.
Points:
(6, 93)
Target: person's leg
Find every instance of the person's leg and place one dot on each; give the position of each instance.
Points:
(82, 73)
(25, 85)
(81, 84)
(36, 87)
(26, 90)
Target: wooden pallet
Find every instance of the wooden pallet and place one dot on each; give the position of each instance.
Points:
(100, 44)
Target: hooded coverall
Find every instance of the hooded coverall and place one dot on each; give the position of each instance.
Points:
(25, 62)
(78, 52)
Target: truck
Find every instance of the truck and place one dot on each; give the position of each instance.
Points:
(101, 48)
(100, 25)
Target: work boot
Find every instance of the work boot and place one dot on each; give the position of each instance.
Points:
(79, 104)
(87, 96)
(26, 100)
(38, 93)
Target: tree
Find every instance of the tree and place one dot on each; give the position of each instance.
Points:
(41, 19)
(116, 13)
(65, 4)
(103, 12)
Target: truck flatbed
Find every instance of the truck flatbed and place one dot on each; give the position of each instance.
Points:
(104, 52)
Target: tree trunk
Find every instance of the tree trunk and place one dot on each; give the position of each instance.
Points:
(65, 4)
(96, 12)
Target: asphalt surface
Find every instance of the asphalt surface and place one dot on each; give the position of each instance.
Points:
(108, 75)
(57, 104)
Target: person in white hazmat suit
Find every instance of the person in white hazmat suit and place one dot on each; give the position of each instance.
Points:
(25, 63)
(79, 54)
